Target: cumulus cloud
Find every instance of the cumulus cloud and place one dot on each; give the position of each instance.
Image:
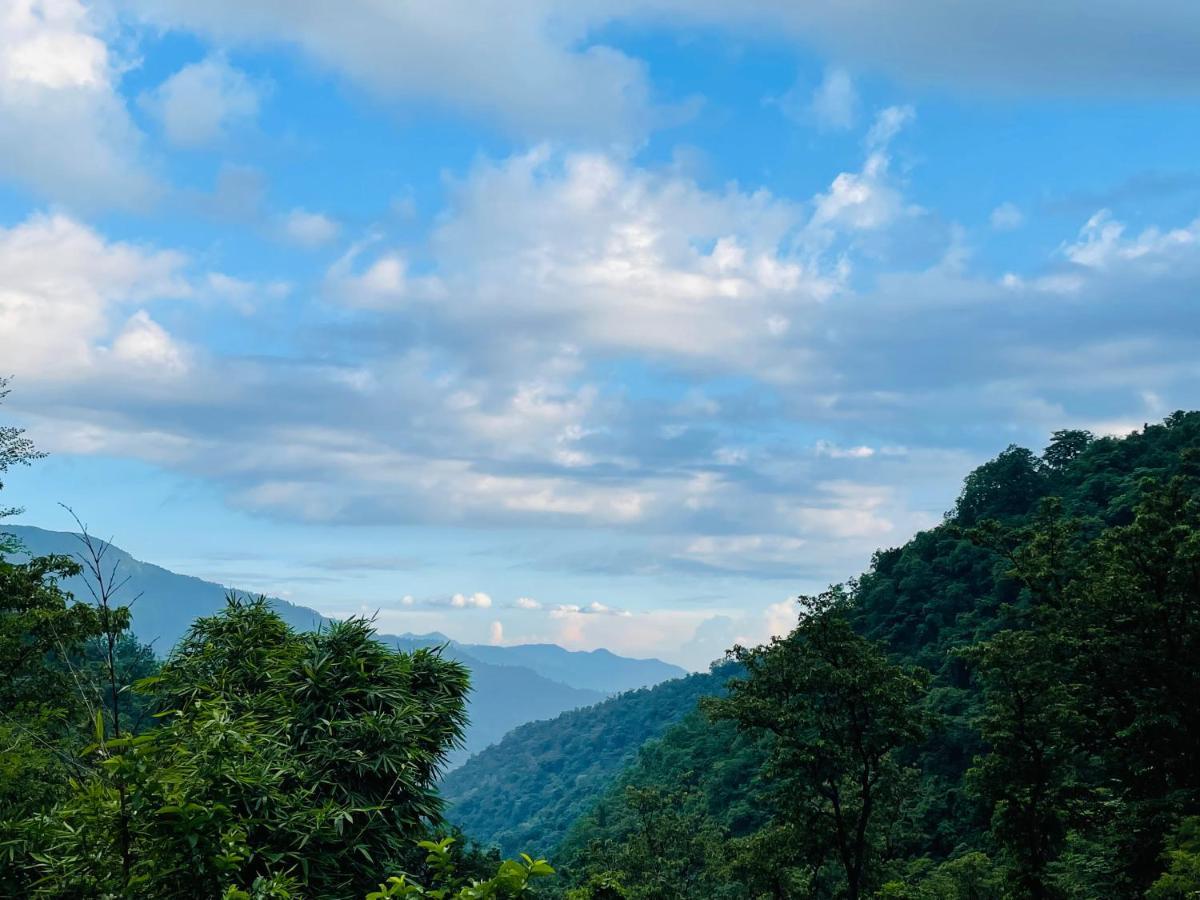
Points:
(626, 259)
(644, 633)
(66, 132)
(200, 103)
(478, 600)
(65, 294)
(781, 618)
(308, 229)
(414, 412)
(1102, 244)
(145, 344)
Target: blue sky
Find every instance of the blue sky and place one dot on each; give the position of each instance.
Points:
(604, 323)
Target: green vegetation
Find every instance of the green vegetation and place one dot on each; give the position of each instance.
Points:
(1008, 706)
(282, 764)
(529, 789)
(513, 877)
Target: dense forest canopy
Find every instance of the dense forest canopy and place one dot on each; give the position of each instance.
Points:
(527, 790)
(1006, 706)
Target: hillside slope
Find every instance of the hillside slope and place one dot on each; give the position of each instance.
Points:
(525, 792)
(945, 591)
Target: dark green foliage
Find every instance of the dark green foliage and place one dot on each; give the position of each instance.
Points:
(446, 881)
(305, 761)
(1057, 613)
(838, 712)
(971, 876)
(1004, 488)
(526, 791)
(1181, 881)
(40, 701)
(39, 628)
(703, 775)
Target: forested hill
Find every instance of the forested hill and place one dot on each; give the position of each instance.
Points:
(1029, 676)
(525, 792)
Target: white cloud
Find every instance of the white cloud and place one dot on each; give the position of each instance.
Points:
(527, 603)
(62, 290)
(478, 600)
(496, 634)
(644, 633)
(592, 250)
(416, 413)
(781, 618)
(835, 101)
(146, 345)
(888, 123)
(200, 103)
(860, 201)
(383, 282)
(833, 451)
(65, 130)
(744, 550)
(1102, 244)
(1007, 217)
(309, 229)
(528, 65)
(536, 66)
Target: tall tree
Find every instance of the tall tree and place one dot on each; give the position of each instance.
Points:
(839, 712)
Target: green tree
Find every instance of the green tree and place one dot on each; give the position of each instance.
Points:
(1007, 486)
(512, 878)
(839, 712)
(1031, 774)
(671, 852)
(1092, 697)
(1181, 881)
(288, 761)
(1066, 446)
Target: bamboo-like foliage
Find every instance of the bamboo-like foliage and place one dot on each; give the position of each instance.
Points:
(297, 763)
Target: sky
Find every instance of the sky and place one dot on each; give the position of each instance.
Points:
(607, 323)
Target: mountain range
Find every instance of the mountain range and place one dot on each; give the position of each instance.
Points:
(510, 685)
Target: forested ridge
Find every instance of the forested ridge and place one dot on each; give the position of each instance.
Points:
(527, 790)
(1007, 706)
